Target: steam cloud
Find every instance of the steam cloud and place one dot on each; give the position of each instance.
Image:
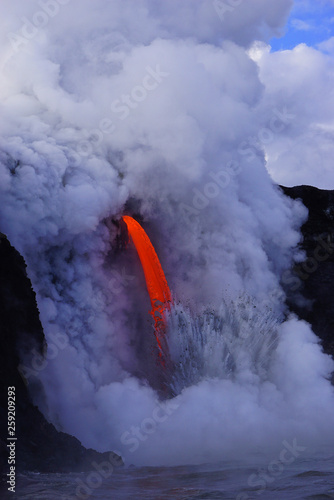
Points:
(167, 108)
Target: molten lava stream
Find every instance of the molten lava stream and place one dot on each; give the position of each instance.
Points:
(156, 282)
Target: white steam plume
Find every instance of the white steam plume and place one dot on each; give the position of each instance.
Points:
(151, 106)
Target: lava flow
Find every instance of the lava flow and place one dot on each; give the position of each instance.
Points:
(156, 282)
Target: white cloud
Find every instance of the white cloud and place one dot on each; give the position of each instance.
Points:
(301, 79)
(301, 25)
(327, 46)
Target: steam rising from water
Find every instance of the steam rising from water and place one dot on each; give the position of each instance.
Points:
(111, 106)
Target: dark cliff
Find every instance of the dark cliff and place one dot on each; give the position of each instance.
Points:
(311, 293)
(40, 447)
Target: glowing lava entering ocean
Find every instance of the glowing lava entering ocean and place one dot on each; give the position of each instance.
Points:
(156, 282)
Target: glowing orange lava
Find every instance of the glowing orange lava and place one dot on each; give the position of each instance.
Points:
(156, 282)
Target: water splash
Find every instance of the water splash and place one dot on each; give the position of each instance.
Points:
(238, 340)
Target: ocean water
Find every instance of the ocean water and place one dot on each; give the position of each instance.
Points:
(304, 479)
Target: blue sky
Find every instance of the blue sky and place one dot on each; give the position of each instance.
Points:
(310, 22)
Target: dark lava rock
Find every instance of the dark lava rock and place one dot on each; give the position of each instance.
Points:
(311, 293)
(39, 446)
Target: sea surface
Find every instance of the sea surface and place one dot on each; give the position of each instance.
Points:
(309, 479)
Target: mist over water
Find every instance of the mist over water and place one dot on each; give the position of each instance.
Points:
(139, 109)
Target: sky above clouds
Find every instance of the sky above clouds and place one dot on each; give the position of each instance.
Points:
(310, 22)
